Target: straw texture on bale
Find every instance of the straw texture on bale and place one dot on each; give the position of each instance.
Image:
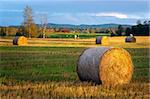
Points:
(105, 65)
(20, 40)
(102, 40)
(130, 39)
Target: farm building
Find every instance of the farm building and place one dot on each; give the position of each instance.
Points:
(65, 30)
(102, 40)
(20, 40)
(105, 65)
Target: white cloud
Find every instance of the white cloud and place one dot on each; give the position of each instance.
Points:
(104, 14)
(72, 16)
(10, 10)
(59, 14)
(116, 15)
(135, 17)
(41, 12)
(112, 14)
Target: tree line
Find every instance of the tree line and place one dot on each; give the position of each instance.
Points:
(141, 29)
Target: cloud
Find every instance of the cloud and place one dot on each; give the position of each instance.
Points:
(99, 14)
(10, 10)
(103, 14)
(96, 18)
(41, 12)
(115, 15)
(135, 17)
(112, 14)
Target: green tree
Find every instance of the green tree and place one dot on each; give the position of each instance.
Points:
(128, 31)
(145, 22)
(2, 31)
(92, 30)
(120, 30)
(12, 31)
(30, 28)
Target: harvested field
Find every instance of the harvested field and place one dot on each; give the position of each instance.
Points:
(47, 68)
(50, 72)
(141, 42)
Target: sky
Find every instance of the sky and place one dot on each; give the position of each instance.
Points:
(76, 11)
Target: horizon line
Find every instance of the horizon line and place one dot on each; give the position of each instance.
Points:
(73, 24)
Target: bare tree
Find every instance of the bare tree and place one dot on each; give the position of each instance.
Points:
(44, 22)
(30, 28)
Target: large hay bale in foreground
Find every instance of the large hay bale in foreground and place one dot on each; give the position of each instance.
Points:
(102, 40)
(105, 65)
(130, 39)
(20, 40)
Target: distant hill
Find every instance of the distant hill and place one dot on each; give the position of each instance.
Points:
(82, 26)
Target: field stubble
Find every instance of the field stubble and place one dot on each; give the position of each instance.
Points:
(50, 72)
(142, 42)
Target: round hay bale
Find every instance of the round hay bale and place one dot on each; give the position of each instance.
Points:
(130, 39)
(105, 65)
(20, 40)
(102, 40)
